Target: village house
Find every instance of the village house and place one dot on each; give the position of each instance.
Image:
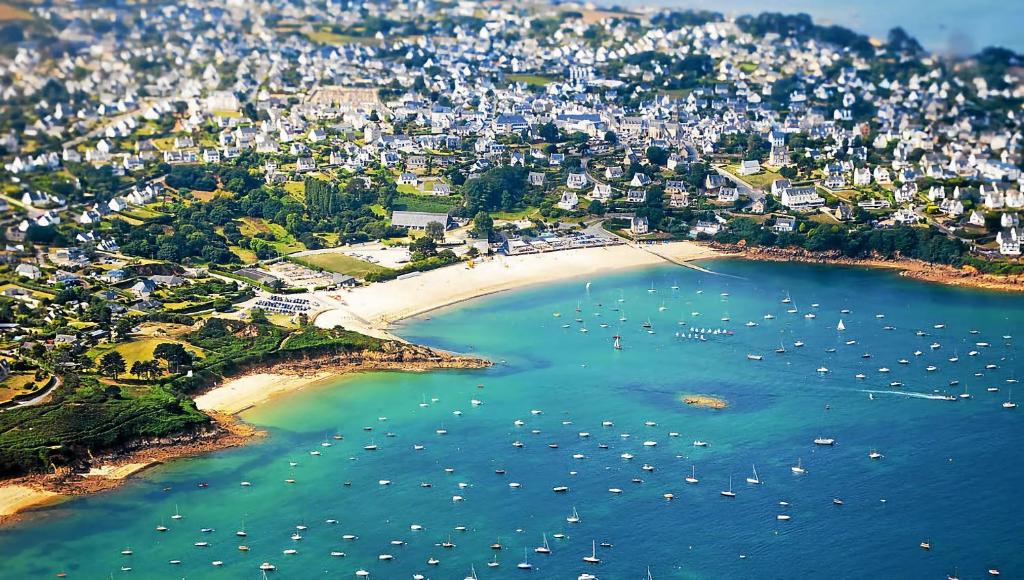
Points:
(750, 167)
(569, 200)
(576, 181)
(638, 225)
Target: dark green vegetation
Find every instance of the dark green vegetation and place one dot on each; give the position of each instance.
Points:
(927, 244)
(86, 416)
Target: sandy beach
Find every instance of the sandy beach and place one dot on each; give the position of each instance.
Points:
(17, 498)
(241, 393)
(372, 309)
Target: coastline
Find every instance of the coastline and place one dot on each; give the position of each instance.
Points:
(372, 309)
(21, 495)
(963, 277)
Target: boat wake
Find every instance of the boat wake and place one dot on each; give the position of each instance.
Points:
(911, 394)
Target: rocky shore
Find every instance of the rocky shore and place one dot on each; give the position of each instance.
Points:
(965, 276)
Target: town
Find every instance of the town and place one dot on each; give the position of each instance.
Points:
(165, 165)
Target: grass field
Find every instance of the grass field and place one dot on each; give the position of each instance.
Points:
(18, 384)
(285, 244)
(135, 350)
(761, 180)
(246, 256)
(341, 264)
(296, 189)
(328, 37)
(532, 80)
(425, 203)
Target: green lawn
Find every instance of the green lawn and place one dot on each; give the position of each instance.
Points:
(328, 37)
(285, 243)
(341, 264)
(532, 80)
(296, 189)
(432, 204)
(134, 350)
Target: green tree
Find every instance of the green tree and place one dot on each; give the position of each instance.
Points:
(596, 207)
(112, 364)
(611, 137)
(174, 354)
(483, 225)
(548, 132)
(657, 155)
(435, 231)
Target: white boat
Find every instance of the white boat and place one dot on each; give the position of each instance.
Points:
(472, 573)
(782, 517)
(693, 475)
(545, 549)
(592, 558)
(798, 343)
(798, 468)
(824, 441)
(874, 454)
(1009, 404)
(177, 515)
(729, 492)
(525, 564)
(267, 567)
(754, 357)
(823, 370)
(614, 490)
(574, 518)
(699, 443)
(754, 480)
(493, 563)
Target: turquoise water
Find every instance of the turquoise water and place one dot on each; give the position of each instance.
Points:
(943, 26)
(950, 472)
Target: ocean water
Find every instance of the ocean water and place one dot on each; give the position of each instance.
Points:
(950, 474)
(943, 26)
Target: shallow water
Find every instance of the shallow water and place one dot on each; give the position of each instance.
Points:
(950, 472)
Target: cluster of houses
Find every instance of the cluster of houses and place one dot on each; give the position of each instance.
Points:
(451, 96)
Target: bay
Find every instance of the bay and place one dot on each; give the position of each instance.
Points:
(949, 475)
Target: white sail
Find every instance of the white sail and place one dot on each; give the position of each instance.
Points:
(840, 326)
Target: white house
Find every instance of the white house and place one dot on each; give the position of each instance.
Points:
(1009, 241)
(976, 219)
(639, 225)
(569, 200)
(801, 198)
(601, 192)
(576, 181)
(750, 167)
(862, 176)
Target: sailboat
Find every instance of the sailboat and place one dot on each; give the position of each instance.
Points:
(525, 564)
(754, 480)
(693, 475)
(592, 558)
(545, 549)
(472, 570)
(730, 492)
(840, 326)
(782, 348)
(799, 468)
(574, 518)
(177, 515)
(617, 344)
(787, 299)
(1009, 404)
(651, 289)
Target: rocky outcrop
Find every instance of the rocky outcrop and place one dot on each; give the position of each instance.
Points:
(392, 355)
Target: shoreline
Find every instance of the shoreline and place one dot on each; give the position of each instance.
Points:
(946, 275)
(21, 496)
(373, 309)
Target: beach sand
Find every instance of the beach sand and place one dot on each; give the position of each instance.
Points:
(239, 394)
(371, 309)
(18, 498)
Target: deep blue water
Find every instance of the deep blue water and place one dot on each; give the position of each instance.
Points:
(950, 473)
